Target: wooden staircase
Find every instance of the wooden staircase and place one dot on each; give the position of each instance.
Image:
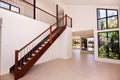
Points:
(26, 61)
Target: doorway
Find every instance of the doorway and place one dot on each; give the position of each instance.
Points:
(76, 43)
(87, 44)
(86, 38)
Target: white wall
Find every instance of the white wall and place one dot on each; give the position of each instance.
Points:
(69, 42)
(17, 31)
(84, 16)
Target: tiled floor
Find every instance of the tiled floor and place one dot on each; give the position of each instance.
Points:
(80, 67)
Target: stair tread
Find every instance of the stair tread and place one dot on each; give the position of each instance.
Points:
(24, 63)
(28, 58)
(43, 45)
(37, 51)
(19, 68)
(40, 48)
(46, 42)
(33, 54)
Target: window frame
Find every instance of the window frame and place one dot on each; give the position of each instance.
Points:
(107, 29)
(10, 5)
(108, 43)
(5, 3)
(15, 7)
(106, 18)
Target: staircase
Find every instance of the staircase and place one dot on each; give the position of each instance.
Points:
(24, 60)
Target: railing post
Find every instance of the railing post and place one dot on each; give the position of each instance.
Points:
(50, 34)
(34, 9)
(16, 64)
(65, 20)
(57, 15)
(71, 22)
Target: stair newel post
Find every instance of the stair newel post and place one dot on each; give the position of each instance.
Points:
(65, 20)
(50, 34)
(16, 64)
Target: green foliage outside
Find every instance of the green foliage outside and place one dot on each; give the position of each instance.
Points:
(102, 23)
(103, 52)
(113, 55)
(112, 22)
(109, 41)
(109, 49)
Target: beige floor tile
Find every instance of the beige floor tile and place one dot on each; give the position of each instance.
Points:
(80, 67)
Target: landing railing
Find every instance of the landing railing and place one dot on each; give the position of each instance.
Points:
(19, 54)
(30, 9)
(69, 21)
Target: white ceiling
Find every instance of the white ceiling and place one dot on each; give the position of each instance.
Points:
(91, 2)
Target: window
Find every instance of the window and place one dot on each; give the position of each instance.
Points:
(108, 44)
(108, 34)
(4, 5)
(9, 7)
(107, 19)
(15, 9)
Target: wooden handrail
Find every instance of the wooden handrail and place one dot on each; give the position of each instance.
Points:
(40, 35)
(34, 39)
(46, 12)
(50, 39)
(28, 2)
(40, 9)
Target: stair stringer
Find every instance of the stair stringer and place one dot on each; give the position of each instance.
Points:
(26, 68)
(56, 50)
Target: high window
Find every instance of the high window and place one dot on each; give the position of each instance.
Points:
(107, 19)
(9, 7)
